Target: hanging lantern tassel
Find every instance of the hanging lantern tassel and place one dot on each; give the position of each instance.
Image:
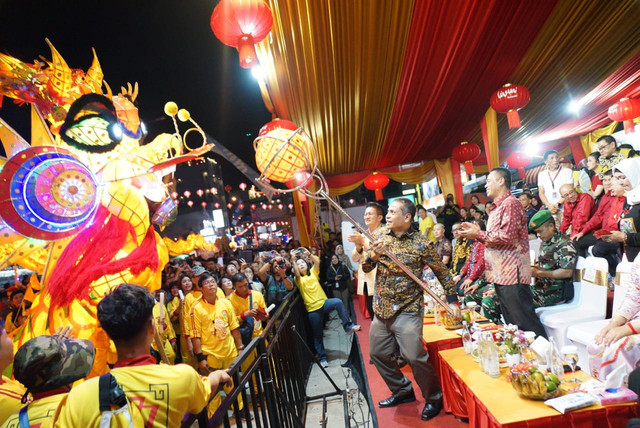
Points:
(247, 51)
(378, 193)
(468, 167)
(513, 118)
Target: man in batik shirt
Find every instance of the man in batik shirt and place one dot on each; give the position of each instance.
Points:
(557, 260)
(398, 305)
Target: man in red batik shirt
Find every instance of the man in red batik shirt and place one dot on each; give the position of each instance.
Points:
(578, 208)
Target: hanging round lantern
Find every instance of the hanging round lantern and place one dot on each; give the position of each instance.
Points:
(253, 206)
(509, 99)
(282, 149)
(204, 204)
(187, 193)
(290, 206)
(241, 24)
(214, 190)
(625, 111)
(241, 206)
(376, 182)
(200, 192)
(216, 205)
(174, 195)
(242, 186)
(229, 205)
(466, 153)
(280, 206)
(519, 160)
(227, 188)
(190, 203)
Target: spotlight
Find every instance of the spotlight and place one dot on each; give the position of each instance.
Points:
(574, 107)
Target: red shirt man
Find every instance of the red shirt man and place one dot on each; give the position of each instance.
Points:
(578, 208)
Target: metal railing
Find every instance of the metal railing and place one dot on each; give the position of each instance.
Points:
(272, 386)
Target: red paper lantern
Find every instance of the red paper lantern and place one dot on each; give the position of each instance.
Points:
(241, 206)
(227, 188)
(509, 99)
(216, 205)
(229, 205)
(200, 192)
(625, 111)
(242, 186)
(253, 206)
(376, 182)
(300, 178)
(519, 160)
(466, 153)
(241, 24)
(214, 190)
(204, 204)
(190, 203)
(187, 193)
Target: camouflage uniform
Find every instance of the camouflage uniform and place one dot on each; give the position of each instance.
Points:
(490, 305)
(559, 252)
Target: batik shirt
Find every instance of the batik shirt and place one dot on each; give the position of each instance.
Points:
(474, 267)
(607, 163)
(461, 252)
(394, 291)
(559, 252)
(506, 243)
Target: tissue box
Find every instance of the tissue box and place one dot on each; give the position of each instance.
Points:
(570, 402)
(621, 395)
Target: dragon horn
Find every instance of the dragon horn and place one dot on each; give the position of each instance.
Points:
(95, 74)
(60, 80)
(109, 92)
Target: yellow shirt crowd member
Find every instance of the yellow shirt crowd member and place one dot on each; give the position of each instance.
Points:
(166, 332)
(173, 308)
(41, 411)
(11, 393)
(241, 305)
(212, 324)
(427, 223)
(312, 293)
(163, 394)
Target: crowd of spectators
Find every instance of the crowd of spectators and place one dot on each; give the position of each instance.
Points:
(210, 308)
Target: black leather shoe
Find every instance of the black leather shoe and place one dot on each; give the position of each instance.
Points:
(394, 400)
(431, 410)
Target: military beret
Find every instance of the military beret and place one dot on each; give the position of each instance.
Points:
(540, 218)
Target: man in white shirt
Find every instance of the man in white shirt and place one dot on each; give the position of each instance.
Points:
(373, 215)
(549, 181)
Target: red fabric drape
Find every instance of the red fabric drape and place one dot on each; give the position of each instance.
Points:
(576, 149)
(449, 41)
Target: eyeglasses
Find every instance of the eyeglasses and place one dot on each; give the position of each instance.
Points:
(603, 146)
(208, 282)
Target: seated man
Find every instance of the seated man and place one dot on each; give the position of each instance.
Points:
(558, 257)
(578, 208)
(48, 366)
(162, 393)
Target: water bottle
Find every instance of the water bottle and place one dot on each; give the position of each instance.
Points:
(493, 365)
(481, 351)
(466, 338)
(555, 364)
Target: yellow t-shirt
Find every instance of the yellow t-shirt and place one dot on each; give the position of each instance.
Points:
(174, 314)
(427, 223)
(167, 333)
(212, 324)
(40, 412)
(11, 393)
(164, 394)
(189, 299)
(241, 304)
(312, 293)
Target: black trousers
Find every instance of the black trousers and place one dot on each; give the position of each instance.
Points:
(583, 244)
(368, 300)
(609, 251)
(516, 303)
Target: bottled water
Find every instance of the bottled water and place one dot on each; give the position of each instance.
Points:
(466, 338)
(481, 351)
(492, 364)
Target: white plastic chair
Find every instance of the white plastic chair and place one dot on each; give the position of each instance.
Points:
(592, 306)
(534, 245)
(544, 311)
(582, 334)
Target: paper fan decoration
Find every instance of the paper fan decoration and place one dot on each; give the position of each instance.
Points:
(46, 193)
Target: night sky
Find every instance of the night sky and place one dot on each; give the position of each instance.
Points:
(166, 46)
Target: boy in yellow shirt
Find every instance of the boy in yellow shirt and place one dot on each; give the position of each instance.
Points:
(48, 366)
(161, 393)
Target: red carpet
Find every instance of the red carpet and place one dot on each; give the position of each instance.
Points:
(404, 415)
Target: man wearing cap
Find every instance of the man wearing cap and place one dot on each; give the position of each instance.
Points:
(549, 181)
(11, 391)
(162, 393)
(578, 208)
(47, 366)
(557, 260)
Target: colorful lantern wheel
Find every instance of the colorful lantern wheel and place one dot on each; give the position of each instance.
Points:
(46, 193)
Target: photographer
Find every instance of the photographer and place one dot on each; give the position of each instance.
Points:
(273, 273)
(338, 276)
(450, 214)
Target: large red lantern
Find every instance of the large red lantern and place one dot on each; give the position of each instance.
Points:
(625, 111)
(300, 178)
(519, 160)
(509, 99)
(466, 153)
(241, 24)
(376, 182)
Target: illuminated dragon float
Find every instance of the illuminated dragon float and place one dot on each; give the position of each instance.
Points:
(75, 203)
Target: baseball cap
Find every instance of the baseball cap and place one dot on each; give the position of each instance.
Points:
(48, 362)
